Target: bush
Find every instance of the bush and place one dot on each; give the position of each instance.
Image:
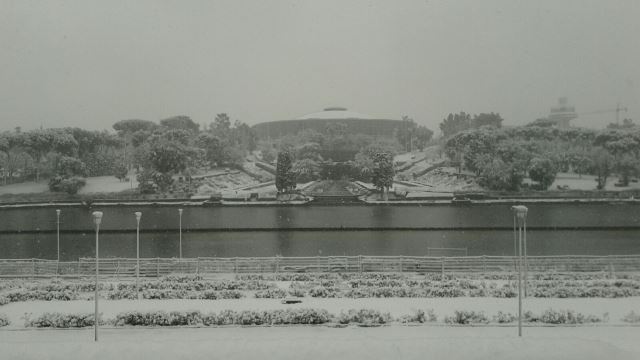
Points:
(28, 295)
(324, 292)
(364, 316)
(60, 320)
(419, 316)
(551, 316)
(4, 300)
(4, 320)
(120, 171)
(271, 294)
(632, 317)
(504, 318)
(69, 185)
(464, 317)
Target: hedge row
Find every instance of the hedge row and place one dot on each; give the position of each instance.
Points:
(226, 317)
(307, 277)
(364, 317)
(163, 294)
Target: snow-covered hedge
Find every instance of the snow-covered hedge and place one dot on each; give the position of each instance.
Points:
(4, 320)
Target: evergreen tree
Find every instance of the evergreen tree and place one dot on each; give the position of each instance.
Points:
(285, 177)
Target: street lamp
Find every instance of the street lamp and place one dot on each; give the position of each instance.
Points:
(97, 219)
(138, 216)
(180, 213)
(520, 215)
(58, 239)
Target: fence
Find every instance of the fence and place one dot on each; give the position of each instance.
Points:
(155, 267)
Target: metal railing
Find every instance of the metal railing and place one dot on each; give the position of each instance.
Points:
(155, 267)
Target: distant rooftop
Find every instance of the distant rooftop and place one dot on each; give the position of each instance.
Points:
(335, 113)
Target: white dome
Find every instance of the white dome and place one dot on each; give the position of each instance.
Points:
(335, 113)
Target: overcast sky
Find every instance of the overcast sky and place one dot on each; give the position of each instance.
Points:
(91, 63)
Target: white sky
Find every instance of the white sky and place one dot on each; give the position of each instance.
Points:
(91, 63)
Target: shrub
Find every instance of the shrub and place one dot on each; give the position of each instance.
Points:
(159, 318)
(4, 300)
(464, 317)
(296, 292)
(60, 320)
(4, 320)
(632, 317)
(271, 294)
(324, 292)
(551, 316)
(70, 185)
(419, 316)
(364, 316)
(27, 295)
(504, 318)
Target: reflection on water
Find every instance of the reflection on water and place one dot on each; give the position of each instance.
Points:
(355, 229)
(327, 243)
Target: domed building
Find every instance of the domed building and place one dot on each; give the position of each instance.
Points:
(355, 123)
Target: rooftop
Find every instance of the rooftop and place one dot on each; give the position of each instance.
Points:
(335, 113)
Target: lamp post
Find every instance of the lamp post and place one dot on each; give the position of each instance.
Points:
(180, 213)
(97, 219)
(58, 239)
(138, 216)
(520, 216)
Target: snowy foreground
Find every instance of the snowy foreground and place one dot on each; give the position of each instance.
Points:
(308, 342)
(611, 340)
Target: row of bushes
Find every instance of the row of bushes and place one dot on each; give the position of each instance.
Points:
(364, 317)
(332, 292)
(28, 295)
(199, 285)
(499, 292)
(163, 294)
(306, 277)
(193, 283)
(550, 316)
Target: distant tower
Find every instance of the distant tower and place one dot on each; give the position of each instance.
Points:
(562, 113)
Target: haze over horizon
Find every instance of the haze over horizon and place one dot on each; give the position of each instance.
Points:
(92, 63)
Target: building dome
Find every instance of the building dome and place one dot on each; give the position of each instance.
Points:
(335, 113)
(355, 123)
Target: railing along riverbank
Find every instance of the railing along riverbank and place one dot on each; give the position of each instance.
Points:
(155, 267)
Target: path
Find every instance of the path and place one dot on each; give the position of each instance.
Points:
(305, 342)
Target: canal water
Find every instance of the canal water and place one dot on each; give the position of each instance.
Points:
(320, 230)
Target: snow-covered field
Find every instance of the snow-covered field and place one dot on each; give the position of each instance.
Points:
(308, 342)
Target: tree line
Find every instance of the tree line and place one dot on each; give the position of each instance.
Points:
(502, 157)
(158, 150)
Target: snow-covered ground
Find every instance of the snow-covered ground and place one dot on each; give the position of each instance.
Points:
(309, 342)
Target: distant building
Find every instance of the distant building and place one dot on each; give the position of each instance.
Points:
(562, 113)
(354, 123)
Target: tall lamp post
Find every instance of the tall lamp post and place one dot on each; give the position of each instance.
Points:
(58, 239)
(520, 216)
(97, 219)
(138, 216)
(180, 213)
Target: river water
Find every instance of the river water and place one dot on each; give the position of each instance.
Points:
(310, 230)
